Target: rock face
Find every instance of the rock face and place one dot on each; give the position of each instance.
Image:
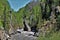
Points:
(19, 36)
(3, 35)
(24, 35)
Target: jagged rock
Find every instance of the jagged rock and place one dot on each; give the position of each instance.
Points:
(58, 8)
(19, 36)
(11, 30)
(3, 35)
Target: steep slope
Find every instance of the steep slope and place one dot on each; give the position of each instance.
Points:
(31, 8)
(3, 4)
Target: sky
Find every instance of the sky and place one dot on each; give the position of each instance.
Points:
(17, 4)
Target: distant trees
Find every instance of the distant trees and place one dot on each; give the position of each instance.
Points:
(4, 18)
(58, 23)
(46, 8)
